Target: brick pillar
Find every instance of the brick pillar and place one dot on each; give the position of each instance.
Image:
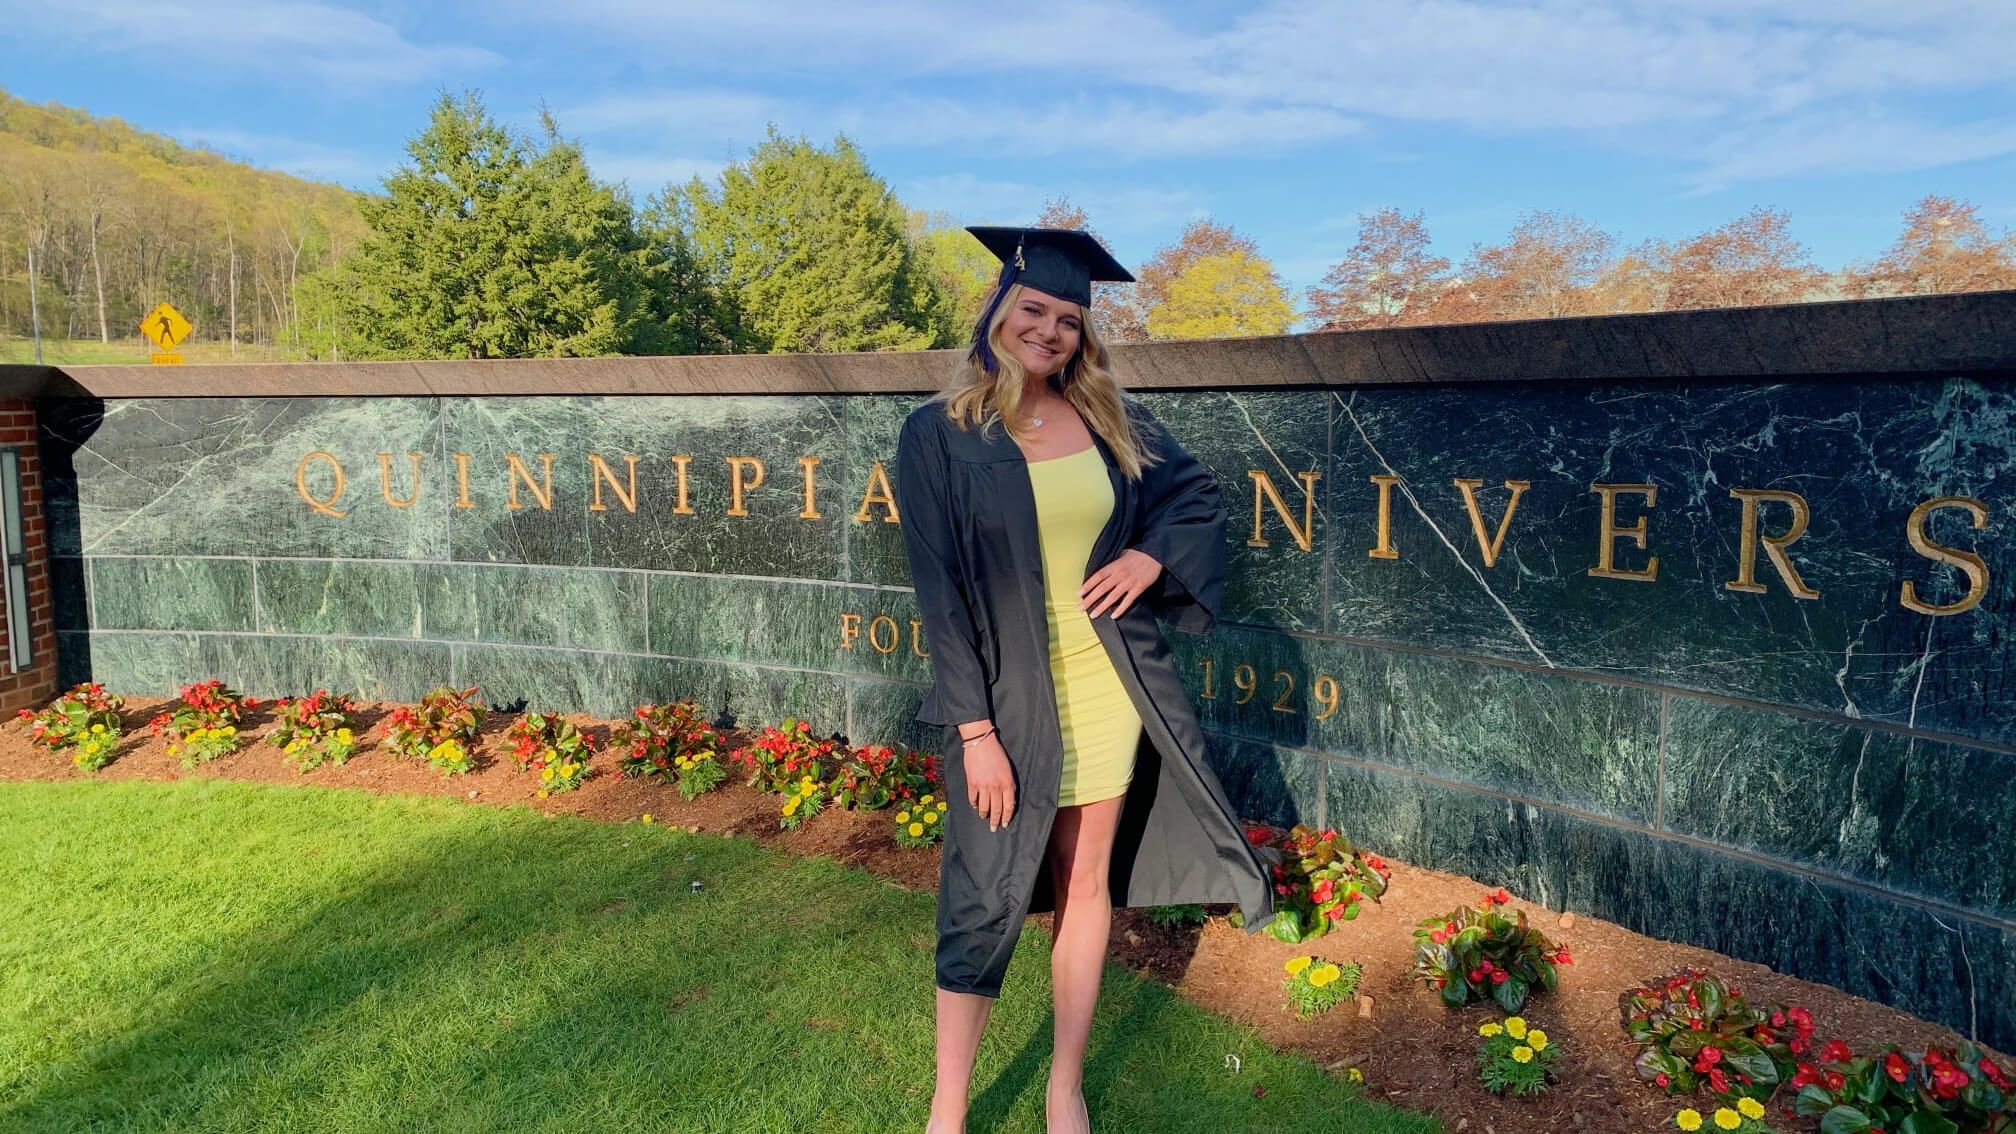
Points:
(36, 685)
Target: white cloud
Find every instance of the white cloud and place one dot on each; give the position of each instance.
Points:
(292, 38)
(1858, 144)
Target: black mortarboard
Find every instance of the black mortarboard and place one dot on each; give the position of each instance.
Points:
(1055, 261)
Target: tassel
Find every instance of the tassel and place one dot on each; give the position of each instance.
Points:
(982, 352)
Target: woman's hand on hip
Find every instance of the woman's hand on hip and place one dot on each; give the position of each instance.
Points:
(990, 782)
(1116, 585)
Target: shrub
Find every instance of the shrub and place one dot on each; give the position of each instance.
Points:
(873, 776)
(1478, 952)
(205, 725)
(451, 756)
(549, 746)
(1314, 987)
(657, 738)
(1318, 878)
(1692, 1030)
(85, 717)
(699, 775)
(445, 714)
(1175, 917)
(315, 729)
(922, 825)
(782, 757)
(1957, 1090)
(802, 803)
(1515, 1059)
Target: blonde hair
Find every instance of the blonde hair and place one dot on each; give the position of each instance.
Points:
(983, 398)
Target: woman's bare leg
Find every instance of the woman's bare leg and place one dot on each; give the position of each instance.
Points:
(962, 1018)
(1081, 852)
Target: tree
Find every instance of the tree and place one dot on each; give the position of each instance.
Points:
(1944, 248)
(1116, 306)
(483, 247)
(1546, 270)
(1221, 294)
(1750, 261)
(1387, 278)
(808, 250)
(961, 269)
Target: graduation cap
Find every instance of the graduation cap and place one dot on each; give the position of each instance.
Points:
(1055, 261)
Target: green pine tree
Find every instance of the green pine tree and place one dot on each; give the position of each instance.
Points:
(808, 251)
(485, 247)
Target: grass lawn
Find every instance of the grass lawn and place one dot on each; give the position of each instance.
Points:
(210, 956)
(87, 352)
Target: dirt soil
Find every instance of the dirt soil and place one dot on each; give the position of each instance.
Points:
(1412, 1051)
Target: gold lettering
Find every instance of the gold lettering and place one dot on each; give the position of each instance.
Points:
(737, 485)
(1608, 533)
(875, 634)
(1489, 547)
(462, 481)
(878, 492)
(301, 483)
(599, 471)
(917, 638)
(1968, 562)
(1774, 546)
(811, 509)
(1385, 548)
(1264, 493)
(850, 629)
(679, 506)
(385, 480)
(515, 471)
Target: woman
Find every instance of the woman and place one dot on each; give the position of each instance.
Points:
(1048, 521)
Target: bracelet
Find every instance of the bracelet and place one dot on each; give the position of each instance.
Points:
(965, 743)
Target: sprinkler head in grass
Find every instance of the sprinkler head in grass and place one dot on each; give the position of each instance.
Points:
(696, 885)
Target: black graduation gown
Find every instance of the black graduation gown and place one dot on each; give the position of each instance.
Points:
(968, 518)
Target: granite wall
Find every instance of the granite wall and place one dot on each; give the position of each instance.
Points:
(1779, 723)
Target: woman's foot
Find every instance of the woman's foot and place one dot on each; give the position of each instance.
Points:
(1064, 1110)
(947, 1117)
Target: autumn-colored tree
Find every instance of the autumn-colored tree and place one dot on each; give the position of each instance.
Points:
(1944, 248)
(1116, 308)
(1544, 271)
(1222, 294)
(1387, 278)
(1750, 261)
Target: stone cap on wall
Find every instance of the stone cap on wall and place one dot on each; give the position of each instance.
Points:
(1932, 336)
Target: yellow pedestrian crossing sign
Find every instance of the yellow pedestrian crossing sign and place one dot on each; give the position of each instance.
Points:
(164, 327)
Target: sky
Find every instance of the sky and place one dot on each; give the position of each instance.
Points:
(1650, 118)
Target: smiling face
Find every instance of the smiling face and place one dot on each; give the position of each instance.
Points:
(1042, 331)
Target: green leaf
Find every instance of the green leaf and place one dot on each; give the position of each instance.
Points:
(1286, 927)
(1926, 1122)
(1813, 1099)
(1709, 991)
(1456, 993)
(1745, 1056)
(1511, 994)
(1844, 1120)
(1687, 1044)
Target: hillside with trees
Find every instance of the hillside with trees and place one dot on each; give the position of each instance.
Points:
(120, 219)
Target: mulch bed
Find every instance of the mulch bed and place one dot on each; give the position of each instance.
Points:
(1412, 1051)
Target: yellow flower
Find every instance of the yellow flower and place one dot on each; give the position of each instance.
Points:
(1355, 1075)
(1490, 1029)
(543, 793)
(646, 818)
(1688, 1120)
(916, 830)
(807, 788)
(930, 816)
(1324, 975)
(902, 816)
(1522, 1054)
(1750, 1107)
(791, 805)
(230, 730)
(173, 750)
(1295, 967)
(1515, 1026)
(97, 728)
(344, 735)
(546, 773)
(1537, 1040)
(926, 801)
(569, 769)
(1727, 1119)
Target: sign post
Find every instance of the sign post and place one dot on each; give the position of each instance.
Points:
(165, 327)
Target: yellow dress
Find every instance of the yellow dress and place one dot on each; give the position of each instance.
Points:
(1097, 719)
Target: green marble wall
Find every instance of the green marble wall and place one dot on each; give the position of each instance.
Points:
(1821, 784)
